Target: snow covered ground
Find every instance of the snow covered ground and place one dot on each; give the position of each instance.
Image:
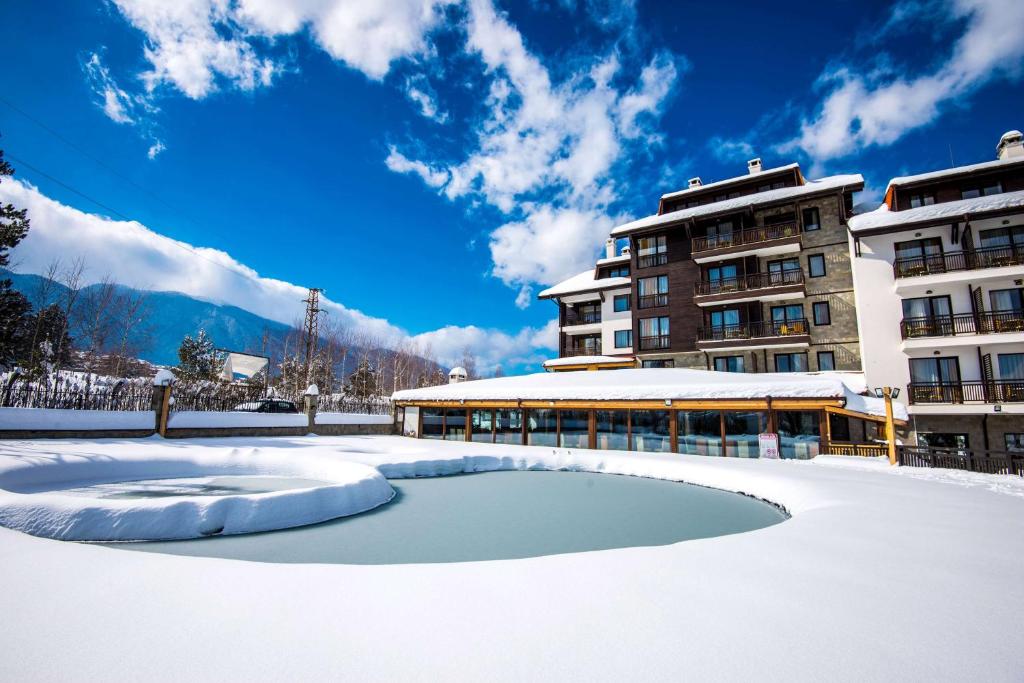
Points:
(881, 574)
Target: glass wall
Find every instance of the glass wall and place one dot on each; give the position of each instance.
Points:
(741, 430)
(800, 433)
(482, 426)
(612, 430)
(455, 424)
(700, 432)
(433, 423)
(575, 429)
(508, 426)
(541, 427)
(651, 430)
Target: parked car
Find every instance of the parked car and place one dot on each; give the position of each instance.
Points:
(267, 405)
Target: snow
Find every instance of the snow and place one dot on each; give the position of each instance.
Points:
(882, 217)
(878, 576)
(630, 384)
(312, 390)
(836, 182)
(584, 282)
(621, 258)
(349, 488)
(585, 360)
(191, 419)
(956, 170)
(728, 181)
(164, 378)
(353, 419)
(58, 419)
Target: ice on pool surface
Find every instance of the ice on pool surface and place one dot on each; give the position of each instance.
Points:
(191, 486)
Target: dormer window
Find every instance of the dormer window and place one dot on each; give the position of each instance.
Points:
(615, 271)
(982, 191)
(921, 199)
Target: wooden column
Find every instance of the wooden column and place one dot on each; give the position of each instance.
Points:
(592, 429)
(674, 430)
(890, 426)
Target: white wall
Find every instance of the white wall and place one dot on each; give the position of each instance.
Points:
(612, 321)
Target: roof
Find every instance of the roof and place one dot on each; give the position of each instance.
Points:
(836, 182)
(729, 181)
(955, 171)
(584, 282)
(652, 384)
(621, 258)
(586, 360)
(457, 370)
(882, 217)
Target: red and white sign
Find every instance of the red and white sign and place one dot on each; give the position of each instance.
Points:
(768, 446)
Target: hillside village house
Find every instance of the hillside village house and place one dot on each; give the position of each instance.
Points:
(939, 274)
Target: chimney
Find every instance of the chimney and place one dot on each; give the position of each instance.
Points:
(1011, 145)
(695, 182)
(754, 166)
(456, 375)
(609, 248)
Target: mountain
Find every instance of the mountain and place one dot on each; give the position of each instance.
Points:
(174, 315)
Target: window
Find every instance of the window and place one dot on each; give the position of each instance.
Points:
(921, 199)
(650, 430)
(784, 265)
(541, 427)
(1007, 300)
(799, 433)
(821, 312)
(1002, 237)
(616, 271)
(651, 251)
(658, 363)
(612, 429)
(943, 440)
(700, 432)
(741, 430)
(482, 426)
(816, 265)
(508, 426)
(1011, 366)
(586, 314)
(1014, 442)
(621, 303)
(729, 364)
(790, 317)
(728, 318)
(791, 362)
(720, 273)
(653, 291)
(719, 235)
(839, 426)
(812, 220)
(826, 360)
(654, 333)
(942, 370)
(982, 191)
(623, 339)
(574, 429)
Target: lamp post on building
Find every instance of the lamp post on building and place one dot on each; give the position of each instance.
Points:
(889, 393)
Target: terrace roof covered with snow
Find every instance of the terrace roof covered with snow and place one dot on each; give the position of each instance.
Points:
(653, 384)
(882, 218)
(729, 181)
(573, 361)
(955, 171)
(853, 181)
(583, 283)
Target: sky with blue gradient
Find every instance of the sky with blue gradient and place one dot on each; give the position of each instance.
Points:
(432, 165)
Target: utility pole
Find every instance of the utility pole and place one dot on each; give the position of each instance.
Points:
(312, 329)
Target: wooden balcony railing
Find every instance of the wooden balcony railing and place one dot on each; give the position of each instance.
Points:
(655, 343)
(962, 323)
(750, 236)
(994, 391)
(989, 257)
(770, 328)
(651, 260)
(584, 318)
(652, 300)
(749, 283)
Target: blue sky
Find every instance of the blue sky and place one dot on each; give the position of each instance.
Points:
(432, 165)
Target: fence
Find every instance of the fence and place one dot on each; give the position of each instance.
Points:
(865, 449)
(216, 399)
(113, 397)
(988, 462)
(343, 404)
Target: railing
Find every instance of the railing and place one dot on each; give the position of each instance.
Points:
(748, 283)
(756, 330)
(994, 391)
(339, 403)
(962, 323)
(652, 300)
(865, 449)
(655, 343)
(743, 237)
(117, 397)
(651, 260)
(585, 318)
(218, 399)
(989, 462)
(587, 350)
(988, 257)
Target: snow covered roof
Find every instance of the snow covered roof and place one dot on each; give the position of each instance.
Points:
(729, 181)
(882, 217)
(458, 370)
(584, 282)
(956, 170)
(651, 384)
(621, 258)
(835, 182)
(585, 360)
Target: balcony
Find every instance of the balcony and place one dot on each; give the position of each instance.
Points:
(992, 391)
(583, 318)
(651, 260)
(755, 287)
(593, 349)
(962, 324)
(658, 343)
(958, 261)
(759, 241)
(652, 301)
(767, 333)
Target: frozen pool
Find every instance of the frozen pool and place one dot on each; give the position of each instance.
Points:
(188, 486)
(499, 515)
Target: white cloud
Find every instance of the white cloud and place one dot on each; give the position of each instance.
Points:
(399, 163)
(879, 107)
(155, 149)
(731, 150)
(117, 104)
(420, 92)
(138, 257)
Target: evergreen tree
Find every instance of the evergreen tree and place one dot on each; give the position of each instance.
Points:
(13, 222)
(362, 384)
(14, 307)
(197, 358)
